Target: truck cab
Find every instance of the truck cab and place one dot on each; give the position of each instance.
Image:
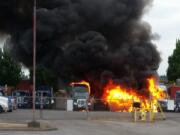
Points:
(44, 97)
(80, 95)
(23, 98)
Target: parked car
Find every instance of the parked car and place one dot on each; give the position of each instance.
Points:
(1, 109)
(5, 103)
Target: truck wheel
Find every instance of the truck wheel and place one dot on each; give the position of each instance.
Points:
(176, 109)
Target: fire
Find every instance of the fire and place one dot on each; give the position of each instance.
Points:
(155, 91)
(121, 98)
(82, 83)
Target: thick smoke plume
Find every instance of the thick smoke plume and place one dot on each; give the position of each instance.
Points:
(93, 40)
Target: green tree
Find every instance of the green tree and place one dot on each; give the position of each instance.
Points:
(173, 71)
(10, 70)
(44, 77)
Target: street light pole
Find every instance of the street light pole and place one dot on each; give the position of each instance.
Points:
(34, 59)
(34, 123)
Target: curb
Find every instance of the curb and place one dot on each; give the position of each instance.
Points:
(28, 129)
(23, 127)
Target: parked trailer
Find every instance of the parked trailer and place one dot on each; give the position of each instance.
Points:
(174, 95)
(177, 101)
(172, 91)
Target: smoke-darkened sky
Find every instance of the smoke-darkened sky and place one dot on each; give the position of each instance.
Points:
(84, 39)
(164, 18)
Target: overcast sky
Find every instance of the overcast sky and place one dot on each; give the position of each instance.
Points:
(164, 17)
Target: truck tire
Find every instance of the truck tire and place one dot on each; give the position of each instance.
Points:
(176, 109)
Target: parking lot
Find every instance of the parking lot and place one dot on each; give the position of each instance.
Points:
(98, 123)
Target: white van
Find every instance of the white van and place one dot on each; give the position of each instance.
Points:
(4, 102)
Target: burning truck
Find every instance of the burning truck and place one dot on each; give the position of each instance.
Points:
(120, 98)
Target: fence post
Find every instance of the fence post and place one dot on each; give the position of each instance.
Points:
(87, 110)
(110, 105)
(41, 106)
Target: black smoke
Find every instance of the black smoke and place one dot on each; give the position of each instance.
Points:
(93, 40)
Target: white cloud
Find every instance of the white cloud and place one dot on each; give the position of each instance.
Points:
(164, 17)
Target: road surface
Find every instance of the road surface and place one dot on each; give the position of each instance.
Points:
(99, 123)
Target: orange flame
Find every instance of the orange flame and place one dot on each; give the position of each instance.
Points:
(156, 93)
(82, 83)
(121, 99)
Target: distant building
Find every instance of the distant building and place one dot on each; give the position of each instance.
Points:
(24, 85)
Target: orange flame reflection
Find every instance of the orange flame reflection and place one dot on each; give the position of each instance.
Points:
(121, 99)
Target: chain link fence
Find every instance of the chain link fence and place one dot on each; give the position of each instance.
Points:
(70, 104)
(54, 108)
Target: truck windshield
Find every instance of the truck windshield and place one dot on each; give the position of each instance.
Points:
(20, 93)
(83, 94)
(81, 91)
(43, 93)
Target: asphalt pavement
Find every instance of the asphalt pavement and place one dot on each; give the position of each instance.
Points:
(100, 123)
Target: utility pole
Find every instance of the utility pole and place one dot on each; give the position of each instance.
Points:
(33, 123)
(34, 58)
